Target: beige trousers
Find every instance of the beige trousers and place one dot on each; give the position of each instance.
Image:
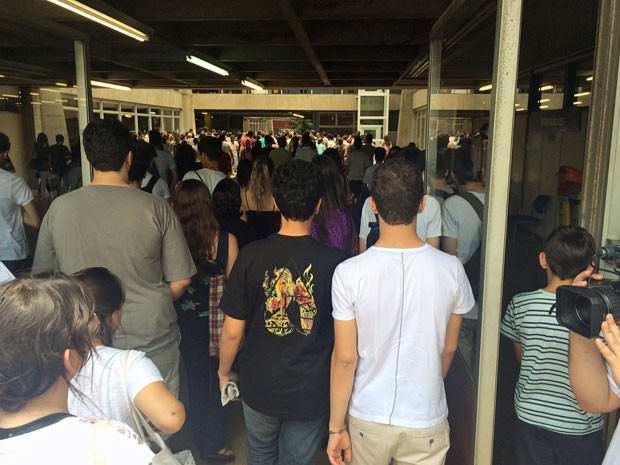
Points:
(379, 444)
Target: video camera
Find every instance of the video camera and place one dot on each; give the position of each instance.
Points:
(583, 309)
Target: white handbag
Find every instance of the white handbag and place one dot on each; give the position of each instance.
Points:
(152, 437)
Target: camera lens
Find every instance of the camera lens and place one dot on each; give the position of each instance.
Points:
(583, 308)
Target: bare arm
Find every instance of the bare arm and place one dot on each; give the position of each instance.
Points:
(588, 376)
(232, 334)
(233, 252)
(433, 242)
(177, 288)
(452, 342)
(518, 351)
(31, 216)
(160, 406)
(174, 176)
(344, 364)
(449, 245)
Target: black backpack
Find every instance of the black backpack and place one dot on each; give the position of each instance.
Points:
(373, 235)
(149, 187)
(472, 266)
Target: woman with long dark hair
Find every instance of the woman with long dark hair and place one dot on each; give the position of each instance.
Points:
(333, 225)
(214, 253)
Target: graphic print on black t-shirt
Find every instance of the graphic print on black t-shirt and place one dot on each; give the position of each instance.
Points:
(289, 303)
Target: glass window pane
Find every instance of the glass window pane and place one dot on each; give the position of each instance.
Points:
(371, 105)
(167, 112)
(327, 119)
(346, 119)
(126, 108)
(143, 110)
(110, 106)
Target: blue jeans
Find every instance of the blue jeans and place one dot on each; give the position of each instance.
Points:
(273, 441)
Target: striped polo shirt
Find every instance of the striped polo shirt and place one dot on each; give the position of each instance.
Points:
(544, 396)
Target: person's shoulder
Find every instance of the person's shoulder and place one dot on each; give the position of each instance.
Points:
(533, 298)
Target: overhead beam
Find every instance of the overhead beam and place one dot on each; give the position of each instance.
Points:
(302, 37)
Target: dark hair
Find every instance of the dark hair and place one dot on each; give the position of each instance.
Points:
(357, 142)
(569, 251)
(42, 140)
(5, 143)
(281, 141)
(60, 138)
(397, 190)
(464, 170)
(108, 296)
(212, 146)
(297, 189)
(155, 138)
(40, 318)
(368, 138)
(106, 143)
(380, 154)
(244, 172)
(143, 155)
(185, 158)
(192, 203)
(412, 154)
(227, 200)
(334, 193)
(306, 140)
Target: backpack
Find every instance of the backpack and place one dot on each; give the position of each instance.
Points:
(472, 266)
(373, 235)
(217, 283)
(151, 184)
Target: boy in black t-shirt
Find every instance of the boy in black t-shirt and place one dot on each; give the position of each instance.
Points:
(279, 296)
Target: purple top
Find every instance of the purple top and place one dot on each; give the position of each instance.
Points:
(339, 232)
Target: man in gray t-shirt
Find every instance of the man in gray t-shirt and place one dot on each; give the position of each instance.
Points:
(137, 236)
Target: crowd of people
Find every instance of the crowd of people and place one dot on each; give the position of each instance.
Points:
(312, 270)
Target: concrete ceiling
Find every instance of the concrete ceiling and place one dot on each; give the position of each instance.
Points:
(283, 43)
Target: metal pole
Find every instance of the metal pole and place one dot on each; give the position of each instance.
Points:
(601, 121)
(434, 84)
(505, 67)
(85, 100)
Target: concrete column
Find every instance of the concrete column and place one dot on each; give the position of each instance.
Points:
(505, 67)
(187, 111)
(406, 129)
(85, 100)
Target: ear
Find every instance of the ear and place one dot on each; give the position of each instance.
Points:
(129, 158)
(275, 205)
(317, 208)
(542, 259)
(115, 319)
(422, 205)
(373, 205)
(73, 362)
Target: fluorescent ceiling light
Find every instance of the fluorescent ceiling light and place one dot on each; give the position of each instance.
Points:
(544, 100)
(547, 87)
(61, 84)
(252, 84)
(577, 103)
(2, 76)
(589, 78)
(109, 85)
(101, 18)
(542, 107)
(298, 115)
(520, 109)
(10, 96)
(485, 88)
(34, 93)
(582, 94)
(517, 104)
(203, 63)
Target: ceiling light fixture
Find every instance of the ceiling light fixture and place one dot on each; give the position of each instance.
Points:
(542, 107)
(544, 100)
(2, 76)
(582, 94)
(485, 88)
(590, 78)
(207, 63)
(109, 85)
(577, 103)
(298, 115)
(252, 84)
(547, 87)
(101, 18)
(61, 84)
(520, 109)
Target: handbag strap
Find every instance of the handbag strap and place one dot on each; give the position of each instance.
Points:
(145, 430)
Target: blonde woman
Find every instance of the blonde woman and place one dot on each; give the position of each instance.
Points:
(257, 200)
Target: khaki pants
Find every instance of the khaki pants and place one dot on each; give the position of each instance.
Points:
(378, 444)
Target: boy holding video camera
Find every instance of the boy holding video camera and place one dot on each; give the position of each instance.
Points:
(552, 429)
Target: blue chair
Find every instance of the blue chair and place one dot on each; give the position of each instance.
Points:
(539, 207)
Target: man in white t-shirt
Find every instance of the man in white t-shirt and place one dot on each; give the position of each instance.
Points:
(17, 209)
(462, 236)
(210, 149)
(395, 338)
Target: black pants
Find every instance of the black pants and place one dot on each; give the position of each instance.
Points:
(539, 446)
(207, 416)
